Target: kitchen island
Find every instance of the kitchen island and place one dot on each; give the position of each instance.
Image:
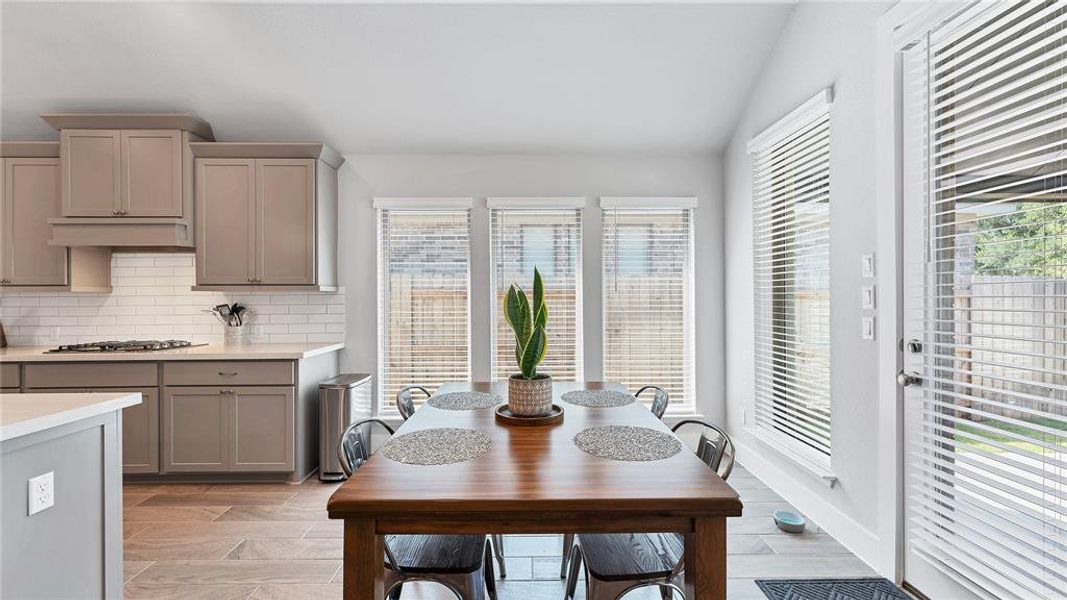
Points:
(60, 459)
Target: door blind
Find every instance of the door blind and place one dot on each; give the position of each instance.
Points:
(551, 240)
(987, 490)
(791, 262)
(423, 300)
(648, 301)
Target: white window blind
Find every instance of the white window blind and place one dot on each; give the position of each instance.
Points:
(791, 262)
(648, 299)
(423, 299)
(551, 240)
(988, 491)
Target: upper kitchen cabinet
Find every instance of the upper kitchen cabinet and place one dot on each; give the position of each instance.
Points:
(126, 179)
(30, 185)
(266, 215)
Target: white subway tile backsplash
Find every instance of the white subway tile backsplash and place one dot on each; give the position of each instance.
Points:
(152, 297)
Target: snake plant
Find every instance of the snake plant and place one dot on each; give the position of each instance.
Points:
(528, 322)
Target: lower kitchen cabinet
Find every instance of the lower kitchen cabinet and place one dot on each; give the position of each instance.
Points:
(140, 427)
(231, 429)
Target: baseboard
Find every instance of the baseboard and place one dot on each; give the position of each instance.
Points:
(798, 492)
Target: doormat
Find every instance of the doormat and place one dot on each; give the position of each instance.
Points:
(831, 589)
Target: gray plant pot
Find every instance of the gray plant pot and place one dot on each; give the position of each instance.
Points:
(530, 397)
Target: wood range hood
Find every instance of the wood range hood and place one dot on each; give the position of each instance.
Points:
(126, 180)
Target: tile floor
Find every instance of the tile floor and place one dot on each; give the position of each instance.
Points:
(273, 541)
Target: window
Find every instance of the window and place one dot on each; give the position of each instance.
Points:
(791, 262)
(546, 233)
(648, 295)
(423, 294)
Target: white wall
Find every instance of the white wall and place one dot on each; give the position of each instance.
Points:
(824, 44)
(364, 177)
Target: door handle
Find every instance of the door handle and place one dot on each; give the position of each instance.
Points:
(908, 379)
(227, 373)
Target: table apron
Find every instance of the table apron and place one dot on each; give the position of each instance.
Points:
(546, 523)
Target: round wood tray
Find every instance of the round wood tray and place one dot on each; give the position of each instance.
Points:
(505, 416)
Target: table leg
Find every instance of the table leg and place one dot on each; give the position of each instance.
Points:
(705, 560)
(364, 561)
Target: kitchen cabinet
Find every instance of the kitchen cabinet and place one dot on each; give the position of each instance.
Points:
(228, 429)
(126, 179)
(30, 190)
(140, 426)
(267, 216)
(196, 425)
(30, 198)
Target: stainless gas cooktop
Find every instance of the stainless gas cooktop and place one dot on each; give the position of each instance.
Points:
(125, 346)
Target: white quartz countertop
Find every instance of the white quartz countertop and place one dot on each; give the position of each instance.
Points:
(15, 354)
(24, 414)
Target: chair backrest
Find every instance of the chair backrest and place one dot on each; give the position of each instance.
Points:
(354, 447)
(660, 399)
(715, 447)
(405, 403)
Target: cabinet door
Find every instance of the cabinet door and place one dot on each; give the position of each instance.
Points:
(140, 426)
(262, 429)
(31, 197)
(152, 173)
(285, 221)
(225, 217)
(196, 425)
(91, 165)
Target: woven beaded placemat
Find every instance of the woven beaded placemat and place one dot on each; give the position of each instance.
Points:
(627, 443)
(464, 401)
(439, 446)
(598, 398)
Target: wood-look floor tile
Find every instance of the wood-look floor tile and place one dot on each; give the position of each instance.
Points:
(178, 548)
(130, 568)
(519, 568)
(327, 529)
(229, 488)
(281, 549)
(239, 571)
(302, 591)
(187, 592)
(130, 529)
(312, 484)
(759, 495)
(173, 513)
(804, 544)
(743, 589)
(274, 513)
(166, 488)
(745, 566)
(760, 526)
(534, 545)
(227, 499)
(225, 529)
(766, 509)
(129, 500)
(545, 568)
(747, 544)
(310, 499)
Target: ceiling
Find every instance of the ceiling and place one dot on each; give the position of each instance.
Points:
(390, 78)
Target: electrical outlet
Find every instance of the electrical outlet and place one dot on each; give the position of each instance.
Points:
(868, 328)
(42, 493)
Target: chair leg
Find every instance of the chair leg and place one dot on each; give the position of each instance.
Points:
(568, 542)
(666, 593)
(490, 577)
(498, 548)
(575, 571)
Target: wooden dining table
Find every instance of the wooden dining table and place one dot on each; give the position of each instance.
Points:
(535, 480)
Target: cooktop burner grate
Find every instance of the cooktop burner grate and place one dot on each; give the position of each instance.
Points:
(125, 346)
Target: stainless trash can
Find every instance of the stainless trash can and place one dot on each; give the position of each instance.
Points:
(342, 401)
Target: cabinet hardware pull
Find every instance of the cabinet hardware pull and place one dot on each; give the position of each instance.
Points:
(227, 373)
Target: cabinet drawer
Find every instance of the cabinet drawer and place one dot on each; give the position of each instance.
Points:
(229, 373)
(9, 376)
(88, 375)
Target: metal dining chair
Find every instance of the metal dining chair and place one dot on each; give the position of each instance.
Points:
(405, 403)
(461, 563)
(618, 563)
(660, 400)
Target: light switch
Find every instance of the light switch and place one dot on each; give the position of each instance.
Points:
(868, 328)
(868, 265)
(868, 297)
